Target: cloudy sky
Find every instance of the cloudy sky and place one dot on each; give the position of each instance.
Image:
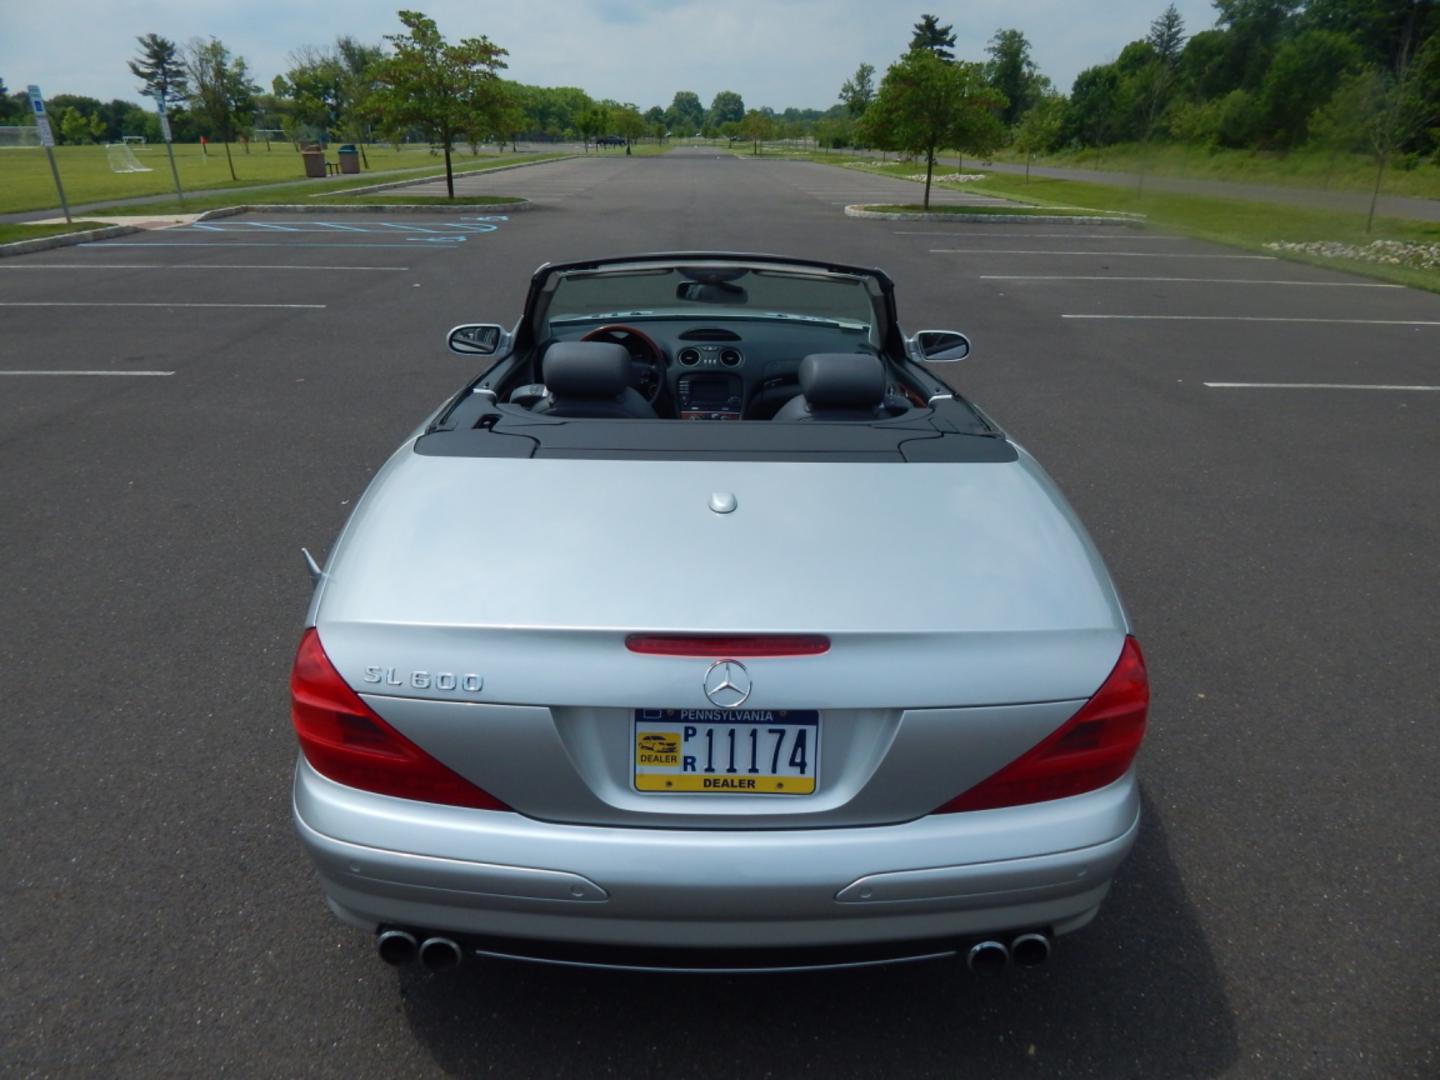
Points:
(774, 52)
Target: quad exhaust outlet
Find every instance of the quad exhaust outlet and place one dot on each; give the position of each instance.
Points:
(396, 947)
(1030, 949)
(400, 947)
(440, 954)
(988, 958)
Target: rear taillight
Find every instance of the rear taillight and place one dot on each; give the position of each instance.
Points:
(1091, 749)
(343, 739)
(722, 646)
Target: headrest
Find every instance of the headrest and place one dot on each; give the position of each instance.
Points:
(842, 380)
(587, 369)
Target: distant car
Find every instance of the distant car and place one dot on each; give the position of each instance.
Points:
(610, 140)
(721, 497)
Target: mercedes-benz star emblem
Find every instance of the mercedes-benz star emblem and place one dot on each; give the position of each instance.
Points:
(727, 684)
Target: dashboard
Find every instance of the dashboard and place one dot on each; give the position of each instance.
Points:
(731, 369)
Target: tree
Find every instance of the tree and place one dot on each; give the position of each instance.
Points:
(727, 106)
(655, 117)
(1167, 37)
(327, 88)
(1382, 108)
(1302, 77)
(630, 124)
(686, 115)
(933, 37)
(593, 123)
(1039, 128)
(1094, 116)
(834, 132)
(503, 121)
(756, 126)
(926, 103)
(1012, 72)
(10, 106)
(440, 88)
(160, 69)
(74, 128)
(1253, 29)
(1155, 81)
(859, 90)
(221, 91)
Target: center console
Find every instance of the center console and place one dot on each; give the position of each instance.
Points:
(710, 397)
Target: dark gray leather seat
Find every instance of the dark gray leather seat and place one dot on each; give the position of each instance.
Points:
(839, 386)
(590, 379)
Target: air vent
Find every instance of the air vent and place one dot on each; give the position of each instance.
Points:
(688, 357)
(709, 333)
(730, 357)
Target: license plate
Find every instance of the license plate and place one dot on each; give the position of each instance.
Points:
(727, 751)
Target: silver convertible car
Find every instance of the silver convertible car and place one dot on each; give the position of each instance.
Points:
(706, 629)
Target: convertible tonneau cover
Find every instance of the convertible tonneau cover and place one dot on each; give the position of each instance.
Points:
(949, 431)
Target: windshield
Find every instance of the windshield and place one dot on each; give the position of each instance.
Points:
(728, 292)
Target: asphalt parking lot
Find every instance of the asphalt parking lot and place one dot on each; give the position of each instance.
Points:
(181, 410)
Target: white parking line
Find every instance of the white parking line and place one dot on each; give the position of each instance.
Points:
(1191, 280)
(144, 303)
(1261, 318)
(192, 266)
(1103, 254)
(87, 373)
(1309, 386)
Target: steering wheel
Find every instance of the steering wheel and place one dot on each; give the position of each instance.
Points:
(647, 372)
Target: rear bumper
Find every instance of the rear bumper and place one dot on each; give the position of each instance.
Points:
(505, 877)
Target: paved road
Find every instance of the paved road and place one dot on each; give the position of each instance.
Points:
(1400, 206)
(550, 186)
(1276, 548)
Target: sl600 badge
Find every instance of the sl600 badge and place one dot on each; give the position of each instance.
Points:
(445, 681)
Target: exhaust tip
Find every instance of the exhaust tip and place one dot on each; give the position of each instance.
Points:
(396, 947)
(1030, 950)
(440, 954)
(988, 958)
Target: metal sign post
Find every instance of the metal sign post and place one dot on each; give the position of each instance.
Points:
(47, 140)
(169, 148)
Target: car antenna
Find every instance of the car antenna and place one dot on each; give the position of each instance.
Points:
(310, 564)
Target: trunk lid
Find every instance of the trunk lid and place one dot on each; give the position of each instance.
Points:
(481, 606)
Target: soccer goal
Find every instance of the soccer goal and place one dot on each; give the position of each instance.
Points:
(133, 140)
(21, 137)
(122, 159)
(267, 136)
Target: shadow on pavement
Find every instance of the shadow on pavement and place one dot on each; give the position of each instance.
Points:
(1136, 993)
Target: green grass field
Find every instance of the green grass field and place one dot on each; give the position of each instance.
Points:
(25, 182)
(1302, 168)
(10, 234)
(1248, 225)
(1018, 210)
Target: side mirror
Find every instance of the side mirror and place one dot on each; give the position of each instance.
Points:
(941, 346)
(476, 339)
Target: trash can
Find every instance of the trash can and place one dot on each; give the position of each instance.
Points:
(314, 162)
(349, 158)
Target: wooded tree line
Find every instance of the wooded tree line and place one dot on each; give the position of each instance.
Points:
(1346, 75)
(339, 92)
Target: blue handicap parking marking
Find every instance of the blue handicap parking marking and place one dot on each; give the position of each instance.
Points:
(436, 231)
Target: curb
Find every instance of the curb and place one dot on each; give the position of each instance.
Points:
(431, 179)
(860, 210)
(368, 208)
(45, 243)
